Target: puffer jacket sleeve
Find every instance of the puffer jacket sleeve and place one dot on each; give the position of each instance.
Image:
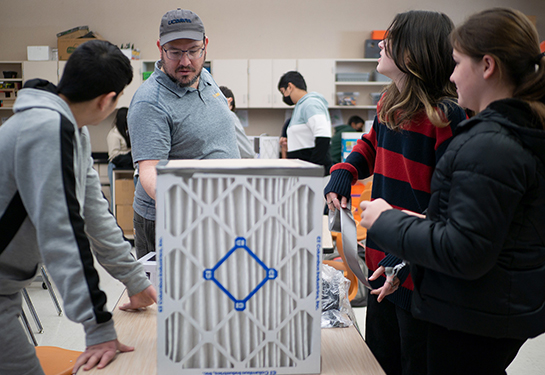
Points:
(480, 180)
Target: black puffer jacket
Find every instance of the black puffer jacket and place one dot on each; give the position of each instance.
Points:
(478, 260)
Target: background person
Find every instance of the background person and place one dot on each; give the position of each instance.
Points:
(355, 124)
(119, 142)
(416, 118)
(245, 147)
(283, 141)
(177, 113)
(119, 147)
(309, 130)
(478, 258)
(52, 209)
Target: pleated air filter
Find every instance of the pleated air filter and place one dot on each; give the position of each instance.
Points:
(266, 147)
(239, 259)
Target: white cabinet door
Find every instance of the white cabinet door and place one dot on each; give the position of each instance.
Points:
(40, 69)
(319, 75)
(60, 68)
(259, 83)
(279, 67)
(234, 75)
(128, 92)
(263, 77)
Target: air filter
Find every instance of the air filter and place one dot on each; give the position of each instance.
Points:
(239, 259)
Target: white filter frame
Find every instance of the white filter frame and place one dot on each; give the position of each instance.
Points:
(239, 262)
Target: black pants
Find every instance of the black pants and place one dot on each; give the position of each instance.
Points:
(396, 338)
(454, 352)
(144, 235)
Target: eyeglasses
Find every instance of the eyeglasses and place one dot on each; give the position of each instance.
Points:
(177, 54)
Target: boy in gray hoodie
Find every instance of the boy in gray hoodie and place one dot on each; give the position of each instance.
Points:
(52, 210)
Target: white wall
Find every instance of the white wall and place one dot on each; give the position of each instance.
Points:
(237, 29)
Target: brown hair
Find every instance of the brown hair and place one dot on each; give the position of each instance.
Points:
(418, 42)
(509, 37)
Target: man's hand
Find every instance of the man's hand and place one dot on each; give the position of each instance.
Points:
(147, 175)
(145, 298)
(100, 354)
(372, 210)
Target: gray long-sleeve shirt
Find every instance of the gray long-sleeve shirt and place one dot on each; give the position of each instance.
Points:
(47, 173)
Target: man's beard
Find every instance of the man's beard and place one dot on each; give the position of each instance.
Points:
(186, 83)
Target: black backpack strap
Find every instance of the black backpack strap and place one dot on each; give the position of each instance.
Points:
(11, 221)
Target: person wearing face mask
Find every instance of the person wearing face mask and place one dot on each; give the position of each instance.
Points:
(309, 130)
(179, 112)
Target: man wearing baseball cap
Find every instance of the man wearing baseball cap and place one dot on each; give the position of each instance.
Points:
(177, 113)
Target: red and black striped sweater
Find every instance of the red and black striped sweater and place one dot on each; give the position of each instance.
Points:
(402, 164)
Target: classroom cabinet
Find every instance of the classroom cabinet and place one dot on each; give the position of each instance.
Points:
(319, 75)
(233, 73)
(263, 77)
(358, 79)
(9, 85)
(122, 200)
(130, 90)
(47, 70)
(254, 82)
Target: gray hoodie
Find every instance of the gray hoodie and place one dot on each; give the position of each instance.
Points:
(52, 210)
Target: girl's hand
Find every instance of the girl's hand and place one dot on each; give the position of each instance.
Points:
(333, 201)
(372, 210)
(390, 286)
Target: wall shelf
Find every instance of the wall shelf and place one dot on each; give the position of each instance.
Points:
(366, 83)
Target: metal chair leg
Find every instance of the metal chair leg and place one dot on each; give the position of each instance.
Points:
(32, 310)
(47, 282)
(28, 330)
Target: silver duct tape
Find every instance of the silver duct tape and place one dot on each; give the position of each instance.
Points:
(342, 221)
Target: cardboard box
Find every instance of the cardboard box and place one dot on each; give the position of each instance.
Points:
(239, 264)
(68, 44)
(124, 215)
(75, 32)
(38, 53)
(124, 191)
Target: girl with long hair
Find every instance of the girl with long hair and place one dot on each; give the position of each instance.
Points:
(416, 119)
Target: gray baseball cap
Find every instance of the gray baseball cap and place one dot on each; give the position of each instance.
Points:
(180, 24)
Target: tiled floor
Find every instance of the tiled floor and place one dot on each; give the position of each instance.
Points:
(59, 331)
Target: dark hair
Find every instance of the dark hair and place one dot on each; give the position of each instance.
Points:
(95, 68)
(418, 42)
(229, 94)
(512, 41)
(294, 77)
(355, 120)
(121, 124)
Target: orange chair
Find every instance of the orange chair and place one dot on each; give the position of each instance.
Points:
(57, 361)
(356, 210)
